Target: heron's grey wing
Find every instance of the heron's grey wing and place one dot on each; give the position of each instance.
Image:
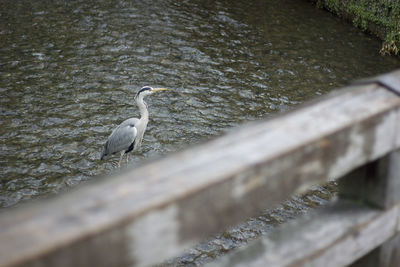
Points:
(131, 121)
(121, 138)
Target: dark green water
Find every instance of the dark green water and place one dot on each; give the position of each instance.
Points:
(69, 71)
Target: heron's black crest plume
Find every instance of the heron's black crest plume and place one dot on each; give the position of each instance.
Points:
(146, 88)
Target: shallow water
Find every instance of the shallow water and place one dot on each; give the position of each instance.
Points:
(69, 71)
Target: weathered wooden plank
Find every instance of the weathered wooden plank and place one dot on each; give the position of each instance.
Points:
(154, 211)
(331, 237)
(386, 255)
(376, 183)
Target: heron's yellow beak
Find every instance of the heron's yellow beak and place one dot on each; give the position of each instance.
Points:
(158, 89)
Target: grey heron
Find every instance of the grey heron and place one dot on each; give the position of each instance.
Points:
(128, 135)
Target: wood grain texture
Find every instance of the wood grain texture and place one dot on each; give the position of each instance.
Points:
(195, 193)
(331, 237)
(386, 255)
(378, 184)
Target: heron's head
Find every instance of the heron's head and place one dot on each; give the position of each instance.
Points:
(147, 90)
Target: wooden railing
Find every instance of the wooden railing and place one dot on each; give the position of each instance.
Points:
(146, 215)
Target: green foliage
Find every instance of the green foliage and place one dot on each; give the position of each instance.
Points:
(332, 5)
(392, 43)
(383, 13)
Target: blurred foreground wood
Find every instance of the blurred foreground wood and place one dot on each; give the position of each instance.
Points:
(146, 215)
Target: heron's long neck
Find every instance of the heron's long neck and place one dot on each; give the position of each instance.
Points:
(144, 113)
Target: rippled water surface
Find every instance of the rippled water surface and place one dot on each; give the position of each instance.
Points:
(69, 71)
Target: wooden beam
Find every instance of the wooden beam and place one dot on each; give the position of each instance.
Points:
(386, 255)
(377, 184)
(145, 215)
(333, 236)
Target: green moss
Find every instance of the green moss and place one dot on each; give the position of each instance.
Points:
(332, 5)
(381, 17)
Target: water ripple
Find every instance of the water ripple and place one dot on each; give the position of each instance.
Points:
(69, 72)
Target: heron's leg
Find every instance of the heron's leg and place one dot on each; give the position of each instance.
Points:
(127, 158)
(120, 159)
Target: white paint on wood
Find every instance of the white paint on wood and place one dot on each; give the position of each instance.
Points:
(154, 236)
